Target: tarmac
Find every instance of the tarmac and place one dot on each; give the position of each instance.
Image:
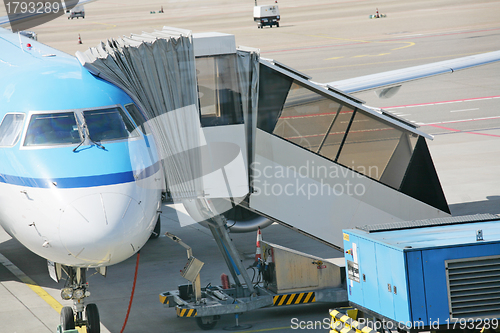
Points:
(328, 40)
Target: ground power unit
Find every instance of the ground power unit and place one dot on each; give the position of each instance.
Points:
(431, 274)
(266, 15)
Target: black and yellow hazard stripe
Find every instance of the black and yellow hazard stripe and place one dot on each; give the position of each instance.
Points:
(342, 323)
(186, 312)
(347, 329)
(289, 299)
(336, 326)
(163, 299)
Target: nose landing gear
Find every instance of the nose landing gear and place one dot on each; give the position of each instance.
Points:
(76, 289)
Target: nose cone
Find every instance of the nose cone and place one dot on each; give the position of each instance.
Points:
(102, 228)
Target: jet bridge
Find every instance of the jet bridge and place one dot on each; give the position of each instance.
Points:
(266, 144)
(245, 142)
(317, 159)
(323, 160)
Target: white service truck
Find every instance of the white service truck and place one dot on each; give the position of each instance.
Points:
(266, 15)
(77, 12)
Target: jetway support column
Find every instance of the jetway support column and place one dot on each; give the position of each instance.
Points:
(230, 254)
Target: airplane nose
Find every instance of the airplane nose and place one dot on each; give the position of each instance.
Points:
(99, 228)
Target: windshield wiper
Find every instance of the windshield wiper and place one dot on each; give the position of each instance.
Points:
(97, 143)
(85, 136)
(81, 143)
(83, 140)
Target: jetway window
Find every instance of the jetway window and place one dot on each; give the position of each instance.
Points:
(306, 117)
(108, 124)
(332, 141)
(395, 170)
(10, 129)
(218, 90)
(273, 91)
(52, 129)
(333, 129)
(369, 145)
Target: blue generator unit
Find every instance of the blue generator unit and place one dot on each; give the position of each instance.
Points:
(428, 274)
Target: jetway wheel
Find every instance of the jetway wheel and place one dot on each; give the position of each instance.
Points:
(207, 323)
(67, 318)
(93, 321)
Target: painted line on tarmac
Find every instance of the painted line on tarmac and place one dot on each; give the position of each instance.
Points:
(457, 121)
(312, 48)
(467, 132)
(465, 110)
(54, 304)
(452, 121)
(390, 62)
(108, 26)
(30, 283)
(442, 102)
(409, 44)
(437, 34)
(440, 34)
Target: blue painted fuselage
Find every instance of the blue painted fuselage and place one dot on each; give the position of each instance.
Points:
(80, 182)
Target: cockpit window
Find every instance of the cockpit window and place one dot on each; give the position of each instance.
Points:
(108, 124)
(138, 117)
(52, 129)
(10, 128)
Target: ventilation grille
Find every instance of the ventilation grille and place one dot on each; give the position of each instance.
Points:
(474, 287)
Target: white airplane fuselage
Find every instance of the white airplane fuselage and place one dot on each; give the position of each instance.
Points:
(87, 227)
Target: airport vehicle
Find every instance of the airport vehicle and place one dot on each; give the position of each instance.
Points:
(282, 277)
(77, 12)
(439, 274)
(266, 15)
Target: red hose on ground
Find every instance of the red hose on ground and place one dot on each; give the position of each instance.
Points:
(133, 290)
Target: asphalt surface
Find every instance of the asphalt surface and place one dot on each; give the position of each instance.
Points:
(328, 40)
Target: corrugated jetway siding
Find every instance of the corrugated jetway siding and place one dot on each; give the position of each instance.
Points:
(322, 164)
(196, 93)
